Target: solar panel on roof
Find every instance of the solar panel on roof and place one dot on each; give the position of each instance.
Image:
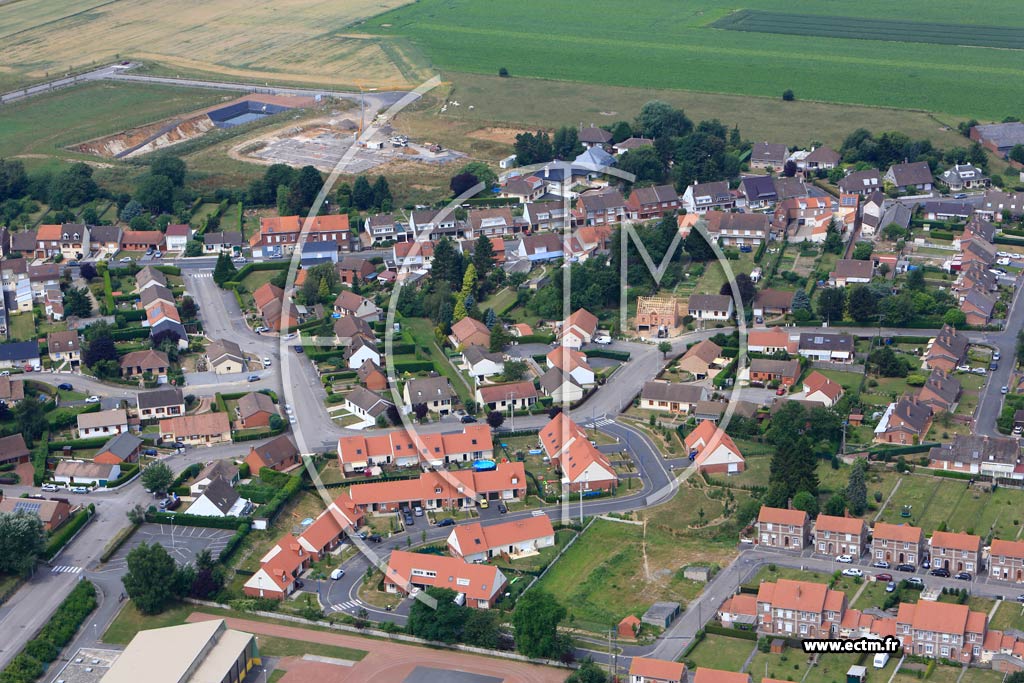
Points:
(26, 506)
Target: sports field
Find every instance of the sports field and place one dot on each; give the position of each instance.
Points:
(286, 40)
(672, 44)
(868, 28)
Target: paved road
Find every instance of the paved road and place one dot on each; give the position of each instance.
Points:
(100, 74)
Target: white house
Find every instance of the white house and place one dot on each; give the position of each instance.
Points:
(360, 351)
(715, 307)
(482, 364)
(574, 362)
(366, 404)
(220, 500)
(103, 423)
(176, 237)
(560, 386)
(218, 469)
(85, 473)
(578, 329)
(521, 538)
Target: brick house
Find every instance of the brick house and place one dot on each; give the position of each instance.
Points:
(140, 362)
(947, 350)
(279, 454)
(782, 528)
(1006, 560)
(671, 397)
(939, 629)
(651, 202)
(956, 552)
(905, 422)
(897, 543)
(840, 536)
(765, 371)
(940, 392)
(799, 609)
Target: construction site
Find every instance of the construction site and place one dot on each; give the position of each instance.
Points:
(162, 134)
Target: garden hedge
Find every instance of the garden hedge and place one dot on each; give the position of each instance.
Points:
(232, 545)
(608, 353)
(414, 366)
(185, 519)
(59, 538)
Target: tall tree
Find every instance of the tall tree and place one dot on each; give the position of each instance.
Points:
(72, 187)
(362, 193)
(305, 187)
(644, 163)
(831, 303)
(225, 270)
(483, 255)
(155, 193)
(862, 304)
(856, 489)
(536, 620)
(153, 580)
(566, 143)
(22, 539)
(382, 198)
(660, 119)
(443, 623)
(157, 477)
(697, 247)
(171, 167)
(447, 265)
(482, 172)
(77, 302)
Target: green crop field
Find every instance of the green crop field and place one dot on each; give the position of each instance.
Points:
(47, 123)
(861, 28)
(673, 45)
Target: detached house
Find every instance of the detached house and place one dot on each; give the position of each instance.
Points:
(782, 528)
(470, 332)
(600, 207)
(481, 363)
(156, 363)
(738, 229)
(713, 451)
(103, 423)
(513, 396)
(836, 348)
(897, 543)
(160, 403)
(710, 307)
(435, 392)
(671, 397)
(477, 543)
(861, 182)
(649, 670)
(350, 303)
(480, 585)
(572, 362)
(702, 360)
(912, 176)
(64, 347)
(821, 389)
(578, 329)
(990, 456)
(768, 156)
(852, 271)
(205, 428)
(819, 158)
(278, 454)
(766, 371)
(583, 466)
(490, 223)
(840, 536)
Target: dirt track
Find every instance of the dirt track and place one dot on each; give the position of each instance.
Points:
(386, 661)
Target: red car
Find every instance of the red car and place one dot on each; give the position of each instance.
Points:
(29, 368)
(781, 391)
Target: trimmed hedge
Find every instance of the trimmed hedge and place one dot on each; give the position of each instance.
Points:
(59, 538)
(607, 353)
(76, 444)
(239, 438)
(730, 632)
(60, 630)
(185, 519)
(128, 470)
(903, 450)
(271, 509)
(1009, 240)
(118, 541)
(233, 543)
(414, 366)
(536, 339)
(130, 334)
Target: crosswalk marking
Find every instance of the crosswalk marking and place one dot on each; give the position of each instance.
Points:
(66, 569)
(351, 604)
(203, 274)
(600, 423)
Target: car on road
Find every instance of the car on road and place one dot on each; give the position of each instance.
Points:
(467, 419)
(890, 587)
(906, 568)
(963, 576)
(290, 335)
(781, 391)
(845, 559)
(446, 522)
(940, 572)
(299, 349)
(852, 571)
(240, 259)
(28, 367)
(880, 564)
(125, 259)
(50, 488)
(1020, 598)
(65, 386)
(291, 419)
(288, 408)
(993, 366)
(254, 378)
(960, 195)
(1005, 389)
(916, 582)
(261, 329)
(267, 362)
(883, 577)
(93, 399)
(502, 508)
(375, 538)
(996, 355)
(79, 489)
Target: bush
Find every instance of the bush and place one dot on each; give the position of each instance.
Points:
(232, 545)
(59, 538)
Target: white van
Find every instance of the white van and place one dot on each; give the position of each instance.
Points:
(337, 574)
(881, 659)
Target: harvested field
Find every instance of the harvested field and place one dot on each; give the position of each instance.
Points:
(503, 135)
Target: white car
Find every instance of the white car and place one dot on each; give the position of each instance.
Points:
(93, 399)
(126, 259)
(288, 408)
(1002, 253)
(291, 419)
(337, 574)
(845, 559)
(290, 335)
(157, 254)
(1003, 261)
(240, 259)
(852, 571)
(963, 368)
(50, 488)
(603, 339)
(266, 361)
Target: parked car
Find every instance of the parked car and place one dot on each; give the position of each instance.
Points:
(93, 399)
(125, 259)
(603, 339)
(881, 564)
(157, 254)
(337, 574)
(883, 577)
(915, 582)
(50, 488)
(149, 451)
(502, 508)
(409, 520)
(993, 366)
(963, 576)
(446, 522)
(299, 349)
(845, 559)
(852, 571)
(781, 391)
(375, 538)
(240, 259)
(65, 386)
(1005, 389)
(890, 587)
(418, 511)
(906, 568)
(254, 378)
(467, 419)
(79, 489)
(996, 355)
(1020, 598)
(299, 584)
(963, 368)
(261, 329)
(267, 361)
(940, 572)
(978, 371)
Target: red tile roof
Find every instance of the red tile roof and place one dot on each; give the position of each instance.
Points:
(1001, 548)
(955, 541)
(659, 669)
(477, 581)
(897, 532)
(841, 525)
(782, 516)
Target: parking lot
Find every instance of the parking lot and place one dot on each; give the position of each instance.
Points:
(182, 542)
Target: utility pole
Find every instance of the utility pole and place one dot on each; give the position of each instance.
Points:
(610, 674)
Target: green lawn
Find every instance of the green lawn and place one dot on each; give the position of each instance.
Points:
(422, 331)
(848, 380)
(792, 664)
(663, 38)
(1009, 615)
(721, 652)
(45, 124)
(21, 327)
(500, 300)
(935, 499)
